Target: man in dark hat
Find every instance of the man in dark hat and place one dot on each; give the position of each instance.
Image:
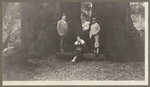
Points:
(62, 29)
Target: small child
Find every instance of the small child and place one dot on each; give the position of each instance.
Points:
(79, 47)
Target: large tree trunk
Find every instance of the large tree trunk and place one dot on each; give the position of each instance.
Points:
(119, 39)
(39, 27)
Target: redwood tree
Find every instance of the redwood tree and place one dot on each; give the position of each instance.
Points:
(119, 39)
(39, 27)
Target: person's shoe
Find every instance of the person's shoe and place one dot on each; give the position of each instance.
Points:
(73, 61)
(61, 50)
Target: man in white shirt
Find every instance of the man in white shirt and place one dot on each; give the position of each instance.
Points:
(94, 33)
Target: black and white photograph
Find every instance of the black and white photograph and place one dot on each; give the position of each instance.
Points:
(75, 43)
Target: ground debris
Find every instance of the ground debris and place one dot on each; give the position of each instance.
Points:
(54, 69)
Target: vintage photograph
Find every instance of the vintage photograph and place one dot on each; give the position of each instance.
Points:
(73, 41)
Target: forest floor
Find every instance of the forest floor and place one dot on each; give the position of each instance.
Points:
(57, 69)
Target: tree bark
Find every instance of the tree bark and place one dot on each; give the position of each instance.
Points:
(119, 39)
(39, 27)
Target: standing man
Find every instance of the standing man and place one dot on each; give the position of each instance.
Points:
(94, 34)
(62, 28)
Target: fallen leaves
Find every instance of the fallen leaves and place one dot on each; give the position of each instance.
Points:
(54, 69)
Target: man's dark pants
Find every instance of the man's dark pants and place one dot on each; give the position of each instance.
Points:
(62, 42)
